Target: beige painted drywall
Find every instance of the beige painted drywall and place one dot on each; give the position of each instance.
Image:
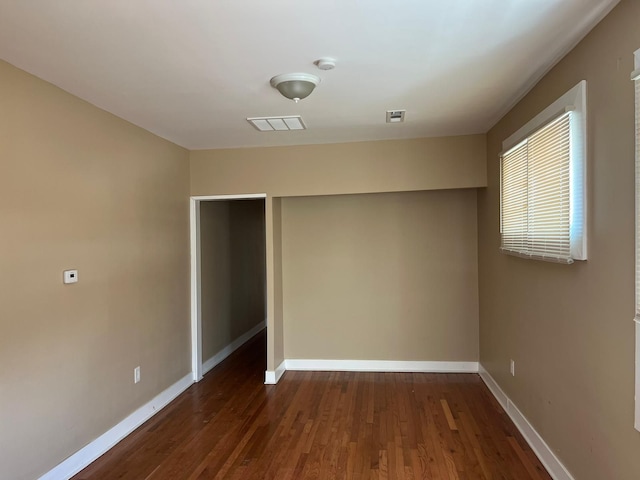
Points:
(215, 264)
(569, 328)
(80, 188)
(332, 169)
(362, 167)
(232, 252)
(278, 301)
(275, 339)
(381, 277)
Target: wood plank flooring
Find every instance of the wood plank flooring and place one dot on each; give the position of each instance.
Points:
(314, 425)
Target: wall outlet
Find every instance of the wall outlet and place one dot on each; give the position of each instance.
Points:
(70, 276)
(512, 367)
(136, 375)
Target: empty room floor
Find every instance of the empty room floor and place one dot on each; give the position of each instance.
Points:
(321, 425)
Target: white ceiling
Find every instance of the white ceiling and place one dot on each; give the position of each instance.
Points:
(191, 71)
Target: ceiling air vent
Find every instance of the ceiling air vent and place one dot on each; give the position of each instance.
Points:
(395, 116)
(269, 124)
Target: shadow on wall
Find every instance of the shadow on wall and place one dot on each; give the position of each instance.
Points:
(233, 270)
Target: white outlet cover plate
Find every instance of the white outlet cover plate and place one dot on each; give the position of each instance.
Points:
(70, 276)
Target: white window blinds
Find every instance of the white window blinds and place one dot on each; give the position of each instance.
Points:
(637, 82)
(536, 194)
(635, 76)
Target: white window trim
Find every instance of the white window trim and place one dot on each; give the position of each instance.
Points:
(574, 100)
(635, 77)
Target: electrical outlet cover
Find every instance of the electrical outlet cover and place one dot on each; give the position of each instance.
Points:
(70, 276)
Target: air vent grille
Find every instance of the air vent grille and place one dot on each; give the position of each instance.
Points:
(395, 116)
(279, 124)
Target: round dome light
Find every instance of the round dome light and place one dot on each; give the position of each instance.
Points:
(295, 86)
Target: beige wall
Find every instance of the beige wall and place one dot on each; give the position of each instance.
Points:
(381, 277)
(215, 265)
(363, 167)
(232, 245)
(80, 188)
(275, 346)
(569, 328)
(331, 169)
(275, 339)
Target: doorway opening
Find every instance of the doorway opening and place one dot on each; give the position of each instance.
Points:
(228, 276)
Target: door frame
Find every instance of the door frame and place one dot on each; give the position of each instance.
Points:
(196, 293)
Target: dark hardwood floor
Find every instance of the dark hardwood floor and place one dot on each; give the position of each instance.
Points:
(312, 425)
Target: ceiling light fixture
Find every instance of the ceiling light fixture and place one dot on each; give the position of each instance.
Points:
(295, 86)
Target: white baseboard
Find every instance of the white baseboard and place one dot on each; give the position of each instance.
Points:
(232, 347)
(271, 377)
(381, 366)
(553, 465)
(83, 457)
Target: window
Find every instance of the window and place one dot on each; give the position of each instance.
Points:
(542, 184)
(635, 76)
